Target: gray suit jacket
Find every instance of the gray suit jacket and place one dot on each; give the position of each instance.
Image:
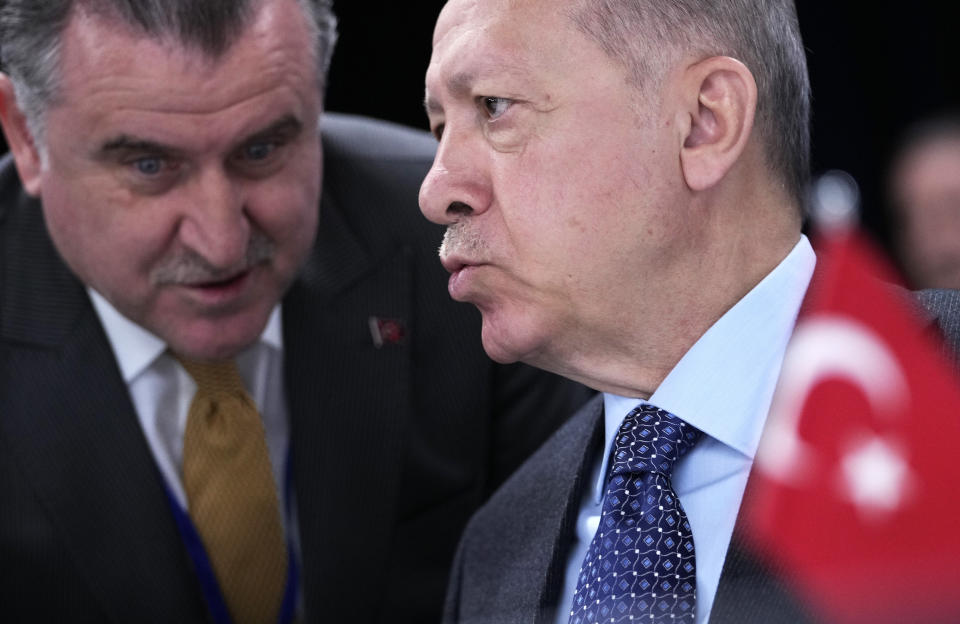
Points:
(510, 562)
(393, 447)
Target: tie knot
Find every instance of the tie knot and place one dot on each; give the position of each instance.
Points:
(216, 377)
(651, 440)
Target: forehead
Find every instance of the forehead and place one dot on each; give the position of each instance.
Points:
(525, 15)
(105, 57)
(477, 39)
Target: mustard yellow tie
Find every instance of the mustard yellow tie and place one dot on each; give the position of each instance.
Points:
(231, 495)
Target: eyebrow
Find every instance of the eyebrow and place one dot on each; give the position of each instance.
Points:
(288, 125)
(461, 84)
(126, 143)
(458, 85)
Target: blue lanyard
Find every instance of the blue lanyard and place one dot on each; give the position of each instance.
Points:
(204, 569)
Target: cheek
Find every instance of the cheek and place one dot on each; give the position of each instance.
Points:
(538, 226)
(566, 211)
(82, 229)
(107, 241)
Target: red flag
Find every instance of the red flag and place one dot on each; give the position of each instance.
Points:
(855, 487)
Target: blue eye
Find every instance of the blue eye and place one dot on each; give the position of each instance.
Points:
(495, 106)
(258, 151)
(149, 166)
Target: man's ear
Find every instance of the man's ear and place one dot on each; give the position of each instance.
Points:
(21, 142)
(719, 103)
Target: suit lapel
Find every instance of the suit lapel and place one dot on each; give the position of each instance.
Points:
(348, 402)
(73, 432)
(750, 591)
(589, 425)
(510, 566)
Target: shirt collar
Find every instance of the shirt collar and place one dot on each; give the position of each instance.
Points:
(136, 348)
(724, 383)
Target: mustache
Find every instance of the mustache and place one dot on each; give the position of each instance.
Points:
(462, 238)
(189, 267)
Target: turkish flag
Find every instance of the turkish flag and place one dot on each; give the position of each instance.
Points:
(855, 488)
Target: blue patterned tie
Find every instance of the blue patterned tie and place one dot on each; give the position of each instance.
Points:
(640, 565)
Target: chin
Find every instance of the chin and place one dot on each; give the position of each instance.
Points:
(209, 350)
(216, 339)
(506, 342)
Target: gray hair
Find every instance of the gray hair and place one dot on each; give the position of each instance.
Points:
(30, 36)
(763, 34)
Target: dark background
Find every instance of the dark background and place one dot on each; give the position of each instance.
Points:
(875, 68)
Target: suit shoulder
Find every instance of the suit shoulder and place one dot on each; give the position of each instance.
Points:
(945, 303)
(372, 172)
(944, 306)
(352, 136)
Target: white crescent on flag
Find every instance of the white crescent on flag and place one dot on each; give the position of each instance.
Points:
(828, 346)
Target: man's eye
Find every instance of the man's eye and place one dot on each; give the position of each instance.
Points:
(495, 106)
(149, 165)
(258, 151)
(151, 175)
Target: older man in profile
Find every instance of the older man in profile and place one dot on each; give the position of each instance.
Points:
(210, 409)
(623, 183)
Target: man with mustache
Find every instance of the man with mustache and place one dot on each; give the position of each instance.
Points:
(623, 183)
(217, 402)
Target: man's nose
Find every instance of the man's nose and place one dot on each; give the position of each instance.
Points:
(215, 223)
(458, 183)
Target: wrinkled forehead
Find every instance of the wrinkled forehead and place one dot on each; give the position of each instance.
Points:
(524, 16)
(533, 37)
(100, 52)
(96, 40)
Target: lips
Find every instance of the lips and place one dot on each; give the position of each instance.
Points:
(225, 283)
(461, 276)
(452, 263)
(219, 293)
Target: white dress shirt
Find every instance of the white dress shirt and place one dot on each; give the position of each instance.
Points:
(162, 390)
(722, 386)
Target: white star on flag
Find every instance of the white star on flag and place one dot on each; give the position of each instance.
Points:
(876, 476)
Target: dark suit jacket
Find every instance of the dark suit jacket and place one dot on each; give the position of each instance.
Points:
(510, 563)
(392, 447)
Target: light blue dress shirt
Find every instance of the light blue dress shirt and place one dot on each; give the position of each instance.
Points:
(722, 386)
